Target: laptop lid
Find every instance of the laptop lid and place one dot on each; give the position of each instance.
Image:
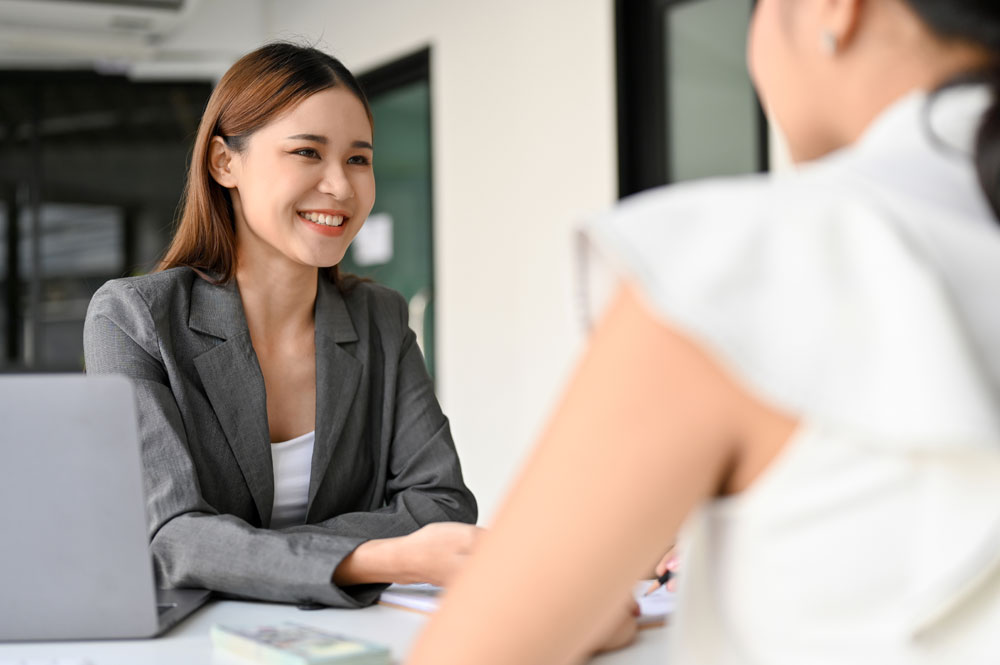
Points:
(75, 560)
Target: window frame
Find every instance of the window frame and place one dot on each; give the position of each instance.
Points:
(644, 97)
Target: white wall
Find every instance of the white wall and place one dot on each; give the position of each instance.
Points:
(524, 142)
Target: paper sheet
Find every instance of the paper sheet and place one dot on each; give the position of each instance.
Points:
(424, 598)
(419, 597)
(657, 606)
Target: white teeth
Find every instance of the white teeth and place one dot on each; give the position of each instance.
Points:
(325, 220)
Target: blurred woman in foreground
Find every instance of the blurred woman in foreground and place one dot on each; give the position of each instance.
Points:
(803, 367)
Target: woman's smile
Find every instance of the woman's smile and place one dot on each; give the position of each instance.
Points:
(326, 222)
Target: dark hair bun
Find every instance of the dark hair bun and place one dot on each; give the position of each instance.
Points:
(975, 22)
(988, 145)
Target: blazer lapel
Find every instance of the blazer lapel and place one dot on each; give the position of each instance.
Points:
(234, 384)
(338, 374)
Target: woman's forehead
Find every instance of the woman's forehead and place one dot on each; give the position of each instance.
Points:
(331, 113)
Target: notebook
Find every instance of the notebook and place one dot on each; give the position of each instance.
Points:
(75, 562)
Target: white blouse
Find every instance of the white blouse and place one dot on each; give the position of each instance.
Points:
(861, 293)
(292, 461)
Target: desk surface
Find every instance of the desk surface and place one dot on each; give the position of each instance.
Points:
(189, 644)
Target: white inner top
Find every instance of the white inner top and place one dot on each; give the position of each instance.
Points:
(292, 461)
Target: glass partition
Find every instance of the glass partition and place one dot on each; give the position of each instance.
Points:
(712, 116)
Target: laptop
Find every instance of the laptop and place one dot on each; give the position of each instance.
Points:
(74, 551)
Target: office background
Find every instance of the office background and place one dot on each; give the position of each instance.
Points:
(525, 117)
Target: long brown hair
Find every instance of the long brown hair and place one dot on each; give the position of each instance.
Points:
(257, 89)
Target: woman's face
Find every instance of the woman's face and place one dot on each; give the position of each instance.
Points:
(304, 185)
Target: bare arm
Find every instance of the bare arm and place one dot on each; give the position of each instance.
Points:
(648, 428)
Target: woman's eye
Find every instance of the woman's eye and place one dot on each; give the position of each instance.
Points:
(306, 152)
(359, 159)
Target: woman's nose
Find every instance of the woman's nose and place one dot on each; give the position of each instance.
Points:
(336, 183)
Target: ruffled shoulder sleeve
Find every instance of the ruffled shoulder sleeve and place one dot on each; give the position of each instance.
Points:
(811, 297)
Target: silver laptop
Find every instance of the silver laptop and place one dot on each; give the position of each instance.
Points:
(74, 554)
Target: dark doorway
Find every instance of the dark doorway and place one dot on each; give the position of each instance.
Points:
(396, 245)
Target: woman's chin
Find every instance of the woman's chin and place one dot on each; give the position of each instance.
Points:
(326, 261)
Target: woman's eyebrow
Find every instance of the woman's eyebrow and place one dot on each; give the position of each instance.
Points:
(316, 138)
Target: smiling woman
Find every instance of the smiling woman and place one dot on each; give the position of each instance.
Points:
(294, 449)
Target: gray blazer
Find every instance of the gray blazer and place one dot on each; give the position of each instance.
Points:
(384, 463)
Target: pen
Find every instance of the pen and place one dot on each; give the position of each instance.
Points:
(660, 581)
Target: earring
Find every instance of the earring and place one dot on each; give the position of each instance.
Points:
(829, 42)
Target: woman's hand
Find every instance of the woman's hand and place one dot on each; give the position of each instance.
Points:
(619, 629)
(433, 554)
(669, 562)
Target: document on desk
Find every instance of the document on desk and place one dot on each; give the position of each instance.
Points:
(424, 598)
(417, 597)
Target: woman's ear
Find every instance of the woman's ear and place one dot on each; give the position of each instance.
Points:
(220, 163)
(841, 22)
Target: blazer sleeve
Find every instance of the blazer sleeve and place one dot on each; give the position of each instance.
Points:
(424, 481)
(191, 543)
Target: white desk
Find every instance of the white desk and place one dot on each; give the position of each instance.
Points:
(189, 644)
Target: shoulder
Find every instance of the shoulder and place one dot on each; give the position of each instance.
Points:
(812, 197)
(801, 287)
(140, 305)
(152, 289)
(821, 221)
(128, 309)
(718, 252)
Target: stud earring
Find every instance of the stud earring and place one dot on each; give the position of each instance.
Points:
(829, 41)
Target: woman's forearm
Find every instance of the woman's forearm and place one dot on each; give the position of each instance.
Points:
(434, 553)
(375, 561)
